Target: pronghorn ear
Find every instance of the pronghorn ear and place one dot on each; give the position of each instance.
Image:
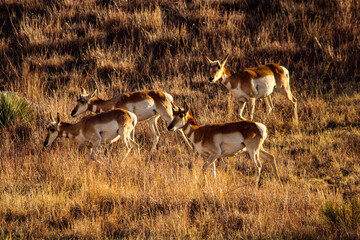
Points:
(223, 64)
(83, 90)
(52, 118)
(174, 107)
(58, 118)
(93, 94)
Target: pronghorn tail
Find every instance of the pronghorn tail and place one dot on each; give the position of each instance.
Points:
(263, 130)
(133, 118)
(286, 73)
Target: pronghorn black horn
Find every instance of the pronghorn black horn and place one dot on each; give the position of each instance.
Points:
(210, 61)
(58, 118)
(187, 108)
(223, 64)
(93, 94)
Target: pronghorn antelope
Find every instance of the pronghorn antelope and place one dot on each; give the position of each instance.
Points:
(254, 83)
(147, 105)
(219, 140)
(93, 130)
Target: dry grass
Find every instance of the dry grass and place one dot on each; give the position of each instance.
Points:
(50, 49)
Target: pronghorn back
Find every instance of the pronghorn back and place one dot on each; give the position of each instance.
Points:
(141, 96)
(116, 114)
(248, 129)
(281, 74)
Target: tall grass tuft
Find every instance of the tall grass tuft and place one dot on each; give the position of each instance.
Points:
(344, 218)
(13, 109)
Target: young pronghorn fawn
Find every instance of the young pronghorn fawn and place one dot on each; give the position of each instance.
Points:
(96, 129)
(254, 83)
(219, 140)
(147, 105)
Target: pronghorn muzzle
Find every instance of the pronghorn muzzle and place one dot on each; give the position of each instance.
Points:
(171, 127)
(73, 112)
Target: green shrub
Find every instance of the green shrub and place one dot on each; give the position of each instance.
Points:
(344, 218)
(13, 109)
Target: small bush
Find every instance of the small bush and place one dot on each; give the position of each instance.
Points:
(13, 109)
(344, 218)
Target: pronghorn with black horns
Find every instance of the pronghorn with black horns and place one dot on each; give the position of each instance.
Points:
(219, 140)
(93, 130)
(254, 83)
(146, 105)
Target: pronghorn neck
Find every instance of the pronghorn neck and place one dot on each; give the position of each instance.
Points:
(68, 130)
(98, 105)
(225, 77)
(190, 126)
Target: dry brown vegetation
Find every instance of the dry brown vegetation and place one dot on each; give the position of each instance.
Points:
(50, 49)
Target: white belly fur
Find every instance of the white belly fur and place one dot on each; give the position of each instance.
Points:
(265, 86)
(229, 144)
(108, 131)
(143, 110)
(240, 94)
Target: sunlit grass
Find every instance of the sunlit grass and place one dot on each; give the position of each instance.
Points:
(52, 50)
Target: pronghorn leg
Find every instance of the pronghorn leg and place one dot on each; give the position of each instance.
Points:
(155, 131)
(125, 136)
(211, 160)
(269, 157)
(186, 140)
(133, 134)
(287, 93)
(135, 146)
(269, 106)
(241, 109)
(271, 102)
(254, 154)
(95, 144)
(252, 108)
(214, 169)
(128, 149)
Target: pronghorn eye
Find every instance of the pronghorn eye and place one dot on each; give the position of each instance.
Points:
(181, 115)
(82, 101)
(52, 130)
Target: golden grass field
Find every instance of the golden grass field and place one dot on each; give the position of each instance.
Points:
(50, 49)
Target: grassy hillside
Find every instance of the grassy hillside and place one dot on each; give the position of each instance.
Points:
(50, 49)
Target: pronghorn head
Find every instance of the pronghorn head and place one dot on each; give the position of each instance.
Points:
(83, 101)
(52, 130)
(216, 69)
(181, 117)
